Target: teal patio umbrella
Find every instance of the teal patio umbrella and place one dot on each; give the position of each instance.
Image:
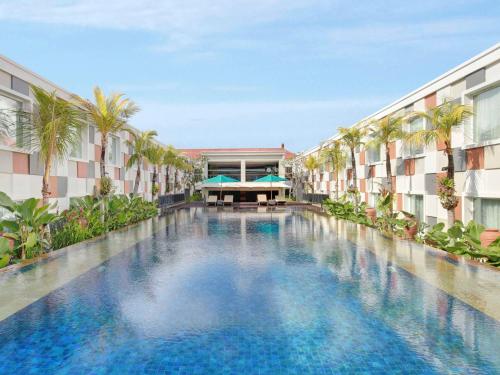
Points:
(220, 179)
(271, 178)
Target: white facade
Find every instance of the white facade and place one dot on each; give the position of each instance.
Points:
(475, 143)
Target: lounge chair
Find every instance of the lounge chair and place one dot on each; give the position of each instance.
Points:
(228, 199)
(212, 199)
(261, 199)
(280, 199)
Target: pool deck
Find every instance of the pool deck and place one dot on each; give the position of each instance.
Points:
(475, 284)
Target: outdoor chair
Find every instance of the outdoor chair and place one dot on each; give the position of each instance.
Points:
(280, 199)
(212, 199)
(261, 199)
(228, 199)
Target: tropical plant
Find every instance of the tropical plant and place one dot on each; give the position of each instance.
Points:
(195, 197)
(155, 154)
(139, 144)
(5, 252)
(180, 164)
(28, 226)
(311, 164)
(384, 132)
(53, 129)
(388, 221)
(347, 209)
(169, 160)
(82, 220)
(109, 115)
(441, 120)
(106, 186)
(337, 158)
(353, 138)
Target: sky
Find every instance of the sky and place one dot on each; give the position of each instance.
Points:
(246, 73)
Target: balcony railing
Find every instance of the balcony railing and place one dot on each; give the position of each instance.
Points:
(165, 201)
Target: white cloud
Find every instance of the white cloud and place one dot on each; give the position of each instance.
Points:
(321, 26)
(181, 22)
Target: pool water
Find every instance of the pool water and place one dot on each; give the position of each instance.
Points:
(222, 292)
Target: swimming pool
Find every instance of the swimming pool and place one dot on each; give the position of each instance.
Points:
(255, 292)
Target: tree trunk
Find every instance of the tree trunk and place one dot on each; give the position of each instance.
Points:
(388, 168)
(353, 166)
(167, 179)
(451, 164)
(175, 181)
(155, 176)
(102, 162)
(336, 184)
(450, 173)
(45, 183)
(137, 176)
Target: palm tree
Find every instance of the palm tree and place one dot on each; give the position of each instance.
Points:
(155, 153)
(109, 114)
(140, 143)
(180, 164)
(53, 129)
(441, 120)
(385, 131)
(352, 138)
(311, 164)
(337, 157)
(169, 160)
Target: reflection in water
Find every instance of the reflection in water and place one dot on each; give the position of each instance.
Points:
(224, 291)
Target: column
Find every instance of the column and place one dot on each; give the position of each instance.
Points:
(243, 171)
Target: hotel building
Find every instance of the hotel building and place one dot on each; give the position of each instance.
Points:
(244, 165)
(415, 170)
(21, 171)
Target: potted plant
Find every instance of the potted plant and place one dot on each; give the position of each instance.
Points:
(410, 225)
(488, 236)
(371, 214)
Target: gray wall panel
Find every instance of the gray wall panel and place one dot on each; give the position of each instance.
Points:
(475, 78)
(91, 169)
(36, 164)
(62, 186)
(20, 86)
(459, 159)
(430, 183)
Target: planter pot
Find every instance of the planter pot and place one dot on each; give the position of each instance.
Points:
(371, 213)
(488, 236)
(411, 232)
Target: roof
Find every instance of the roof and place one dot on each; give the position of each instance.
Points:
(197, 152)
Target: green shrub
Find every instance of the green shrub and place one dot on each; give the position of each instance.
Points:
(463, 240)
(27, 227)
(347, 210)
(196, 197)
(90, 217)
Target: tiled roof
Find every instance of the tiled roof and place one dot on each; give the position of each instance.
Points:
(197, 152)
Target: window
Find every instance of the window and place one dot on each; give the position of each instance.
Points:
(487, 212)
(11, 134)
(78, 149)
(373, 153)
(415, 204)
(487, 115)
(114, 150)
(416, 124)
